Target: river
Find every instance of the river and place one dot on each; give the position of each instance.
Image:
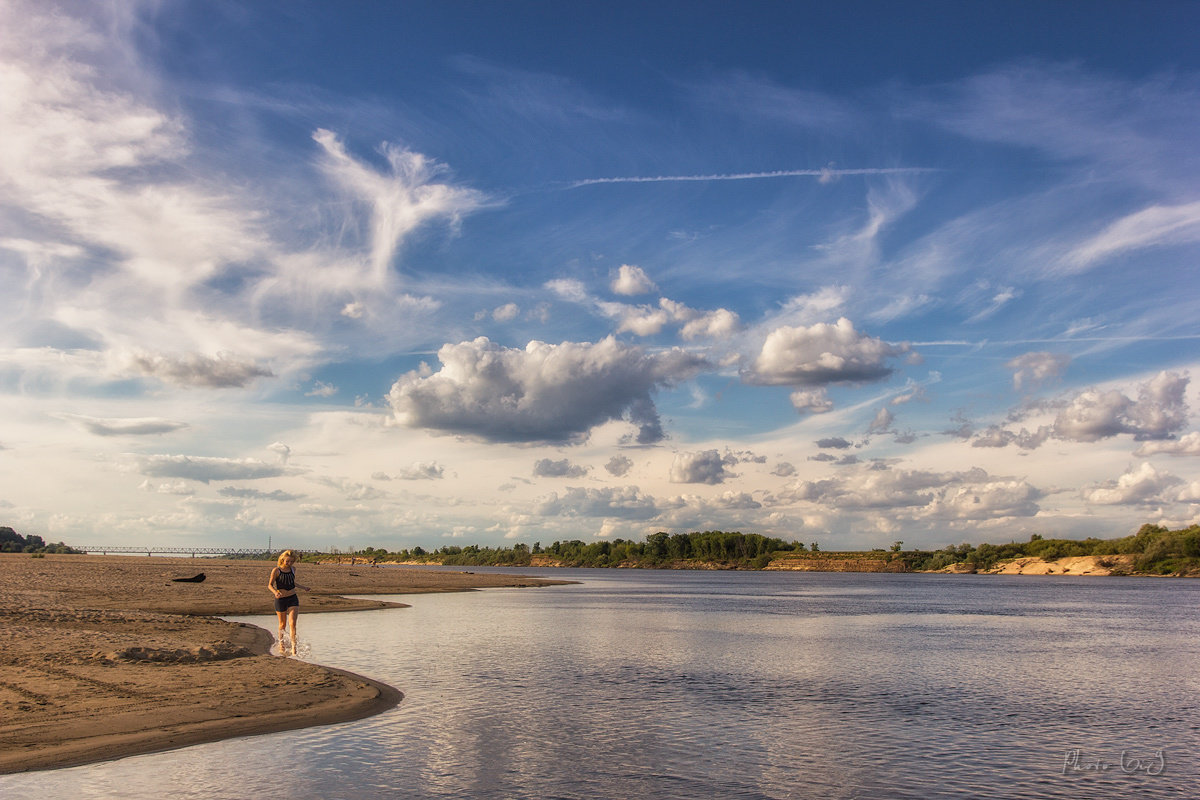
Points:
(646, 684)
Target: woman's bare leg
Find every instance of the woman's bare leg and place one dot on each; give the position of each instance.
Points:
(282, 621)
(292, 613)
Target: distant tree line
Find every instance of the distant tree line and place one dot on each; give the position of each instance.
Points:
(13, 542)
(730, 550)
(1156, 551)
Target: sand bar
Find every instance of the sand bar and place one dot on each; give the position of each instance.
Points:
(105, 656)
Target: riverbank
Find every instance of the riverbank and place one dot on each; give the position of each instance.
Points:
(103, 657)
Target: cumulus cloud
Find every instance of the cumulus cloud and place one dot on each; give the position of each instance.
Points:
(224, 371)
(563, 468)
(717, 324)
(632, 280)
(706, 466)
(282, 450)
(1034, 368)
(784, 469)
(821, 354)
(619, 466)
(921, 494)
(646, 320)
(1141, 484)
(1159, 411)
(811, 401)
(625, 502)
(131, 426)
(543, 393)
(996, 436)
(1186, 445)
(834, 443)
(206, 468)
(174, 487)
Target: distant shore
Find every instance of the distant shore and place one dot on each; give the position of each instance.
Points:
(106, 656)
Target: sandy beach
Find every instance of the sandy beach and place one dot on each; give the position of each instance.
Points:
(104, 656)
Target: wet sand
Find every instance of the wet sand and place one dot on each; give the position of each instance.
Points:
(105, 656)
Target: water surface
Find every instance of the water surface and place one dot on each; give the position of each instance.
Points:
(640, 684)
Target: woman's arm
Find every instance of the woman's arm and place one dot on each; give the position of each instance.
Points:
(271, 582)
(298, 586)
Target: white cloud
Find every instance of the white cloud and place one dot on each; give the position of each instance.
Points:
(543, 393)
(811, 401)
(632, 280)
(321, 389)
(821, 354)
(506, 312)
(1094, 414)
(1156, 226)
(1034, 368)
(1141, 484)
(718, 324)
(1159, 411)
(920, 494)
(1186, 445)
(354, 310)
(175, 488)
(282, 450)
(138, 426)
(706, 466)
(398, 202)
(568, 289)
(644, 320)
(625, 502)
(784, 469)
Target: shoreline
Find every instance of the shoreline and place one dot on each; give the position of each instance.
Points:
(106, 657)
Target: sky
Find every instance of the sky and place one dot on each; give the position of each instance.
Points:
(337, 275)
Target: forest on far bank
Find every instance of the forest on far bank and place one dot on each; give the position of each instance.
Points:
(1156, 551)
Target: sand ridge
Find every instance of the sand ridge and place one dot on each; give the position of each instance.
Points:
(102, 657)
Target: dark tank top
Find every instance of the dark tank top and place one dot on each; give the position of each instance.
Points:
(285, 581)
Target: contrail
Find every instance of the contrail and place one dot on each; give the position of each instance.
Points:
(825, 174)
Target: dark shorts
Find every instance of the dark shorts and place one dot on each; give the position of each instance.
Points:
(284, 603)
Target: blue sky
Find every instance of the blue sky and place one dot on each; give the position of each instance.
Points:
(400, 274)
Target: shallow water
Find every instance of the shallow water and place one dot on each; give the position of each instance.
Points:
(733, 684)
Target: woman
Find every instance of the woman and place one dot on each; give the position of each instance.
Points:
(283, 585)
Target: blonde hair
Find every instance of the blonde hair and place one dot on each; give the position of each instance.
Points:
(286, 554)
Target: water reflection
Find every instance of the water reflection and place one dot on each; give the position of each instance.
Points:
(751, 685)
